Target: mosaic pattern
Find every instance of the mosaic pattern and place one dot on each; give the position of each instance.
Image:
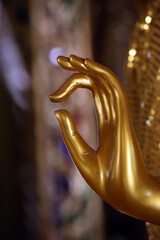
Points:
(143, 86)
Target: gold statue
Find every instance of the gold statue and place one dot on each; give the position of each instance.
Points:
(116, 169)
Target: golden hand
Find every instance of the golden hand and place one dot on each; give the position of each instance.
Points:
(115, 170)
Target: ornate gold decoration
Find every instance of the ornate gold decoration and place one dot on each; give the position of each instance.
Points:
(143, 88)
(115, 170)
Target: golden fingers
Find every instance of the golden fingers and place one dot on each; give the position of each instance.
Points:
(115, 170)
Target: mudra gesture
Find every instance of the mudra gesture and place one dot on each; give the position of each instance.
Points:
(115, 170)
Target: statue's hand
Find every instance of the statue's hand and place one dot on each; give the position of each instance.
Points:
(115, 170)
(92, 164)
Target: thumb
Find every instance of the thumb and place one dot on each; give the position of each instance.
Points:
(82, 154)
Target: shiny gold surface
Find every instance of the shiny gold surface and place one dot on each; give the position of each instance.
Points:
(115, 170)
(143, 89)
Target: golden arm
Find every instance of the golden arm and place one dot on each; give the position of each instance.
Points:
(115, 170)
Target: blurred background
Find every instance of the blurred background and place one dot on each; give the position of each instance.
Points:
(42, 195)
